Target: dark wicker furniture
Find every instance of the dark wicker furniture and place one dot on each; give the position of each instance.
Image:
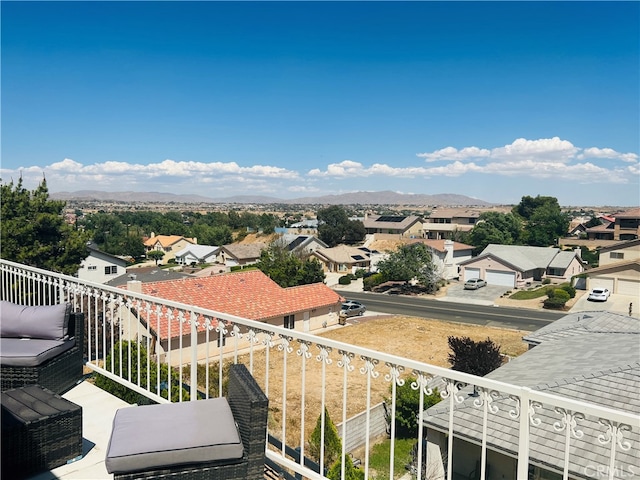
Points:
(58, 374)
(40, 431)
(249, 406)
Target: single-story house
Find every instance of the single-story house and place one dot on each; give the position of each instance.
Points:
(514, 266)
(197, 254)
(618, 270)
(100, 267)
(590, 356)
(169, 244)
(240, 254)
(403, 225)
(344, 258)
(248, 294)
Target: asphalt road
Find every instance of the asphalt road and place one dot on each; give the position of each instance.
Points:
(493, 316)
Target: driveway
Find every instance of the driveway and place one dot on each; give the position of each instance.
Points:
(617, 304)
(482, 296)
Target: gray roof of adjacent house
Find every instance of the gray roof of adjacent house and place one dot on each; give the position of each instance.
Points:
(146, 275)
(198, 251)
(96, 252)
(591, 356)
(390, 222)
(295, 242)
(525, 258)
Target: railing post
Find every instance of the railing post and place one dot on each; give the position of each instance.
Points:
(194, 357)
(523, 440)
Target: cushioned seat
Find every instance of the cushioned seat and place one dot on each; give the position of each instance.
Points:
(31, 352)
(195, 440)
(166, 435)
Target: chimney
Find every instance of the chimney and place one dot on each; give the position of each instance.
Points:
(578, 251)
(134, 286)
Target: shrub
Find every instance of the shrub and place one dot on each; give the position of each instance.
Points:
(344, 280)
(350, 472)
(360, 273)
(557, 300)
(332, 443)
(546, 281)
(121, 351)
(550, 292)
(372, 281)
(569, 289)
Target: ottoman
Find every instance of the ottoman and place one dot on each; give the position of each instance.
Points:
(40, 431)
(175, 438)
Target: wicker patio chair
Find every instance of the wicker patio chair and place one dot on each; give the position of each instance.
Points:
(58, 374)
(249, 407)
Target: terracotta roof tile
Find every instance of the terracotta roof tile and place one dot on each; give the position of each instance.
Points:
(251, 295)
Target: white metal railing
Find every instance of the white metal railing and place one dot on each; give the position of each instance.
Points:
(305, 375)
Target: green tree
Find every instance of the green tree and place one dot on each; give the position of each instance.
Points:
(332, 443)
(544, 220)
(408, 262)
(476, 358)
(495, 227)
(155, 255)
(221, 235)
(34, 231)
(408, 407)
(287, 269)
(334, 227)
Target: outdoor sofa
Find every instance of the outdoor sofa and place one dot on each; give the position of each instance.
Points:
(40, 345)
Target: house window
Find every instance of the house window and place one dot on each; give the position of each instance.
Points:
(110, 270)
(289, 321)
(617, 255)
(92, 267)
(222, 341)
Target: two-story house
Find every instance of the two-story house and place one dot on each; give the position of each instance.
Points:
(444, 222)
(100, 267)
(169, 244)
(621, 226)
(403, 225)
(618, 270)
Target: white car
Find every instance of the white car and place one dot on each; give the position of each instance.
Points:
(474, 284)
(598, 295)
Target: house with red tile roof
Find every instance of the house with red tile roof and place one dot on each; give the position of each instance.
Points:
(247, 294)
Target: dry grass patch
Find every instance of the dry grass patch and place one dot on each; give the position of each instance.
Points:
(414, 338)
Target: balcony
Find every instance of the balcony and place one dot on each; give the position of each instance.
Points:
(482, 427)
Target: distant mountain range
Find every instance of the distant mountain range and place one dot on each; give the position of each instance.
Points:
(354, 198)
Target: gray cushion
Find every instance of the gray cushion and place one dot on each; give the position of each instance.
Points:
(30, 352)
(156, 436)
(47, 322)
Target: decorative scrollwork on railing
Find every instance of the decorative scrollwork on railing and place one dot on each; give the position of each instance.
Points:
(285, 344)
(614, 431)
(451, 389)
(267, 341)
(569, 420)
(394, 375)
(303, 351)
(533, 406)
(515, 411)
(221, 328)
(325, 354)
(209, 323)
(235, 332)
(345, 360)
(369, 367)
(486, 396)
(422, 383)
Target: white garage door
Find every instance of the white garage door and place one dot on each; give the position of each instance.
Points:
(505, 279)
(601, 282)
(628, 287)
(470, 273)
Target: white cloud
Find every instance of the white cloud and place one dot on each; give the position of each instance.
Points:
(607, 153)
(452, 154)
(544, 149)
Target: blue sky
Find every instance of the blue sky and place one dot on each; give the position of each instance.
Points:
(291, 99)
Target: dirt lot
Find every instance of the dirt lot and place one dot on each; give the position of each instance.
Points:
(417, 339)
